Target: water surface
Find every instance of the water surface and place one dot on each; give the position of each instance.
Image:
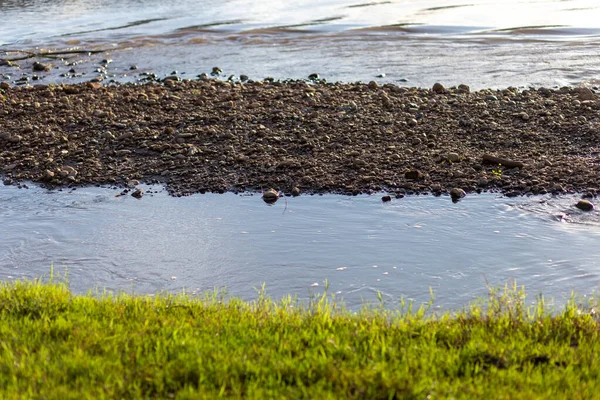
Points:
(483, 43)
(360, 245)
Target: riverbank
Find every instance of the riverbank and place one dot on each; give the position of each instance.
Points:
(211, 135)
(58, 345)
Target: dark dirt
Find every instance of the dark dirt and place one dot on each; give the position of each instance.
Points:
(210, 135)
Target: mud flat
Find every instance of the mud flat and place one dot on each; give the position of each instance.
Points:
(212, 135)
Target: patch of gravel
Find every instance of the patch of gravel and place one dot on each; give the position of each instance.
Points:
(211, 135)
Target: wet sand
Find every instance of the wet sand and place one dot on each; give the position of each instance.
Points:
(211, 135)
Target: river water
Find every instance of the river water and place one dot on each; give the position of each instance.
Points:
(360, 245)
(483, 43)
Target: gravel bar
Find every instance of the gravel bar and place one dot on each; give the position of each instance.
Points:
(210, 135)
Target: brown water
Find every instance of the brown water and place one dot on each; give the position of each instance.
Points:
(359, 244)
(482, 43)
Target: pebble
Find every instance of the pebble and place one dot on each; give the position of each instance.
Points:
(585, 205)
(385, 199)
(584, 93)
(38, 66)
(270, 196)
(457, 193)
(451, 157)
(137, 193)
(295, 192)
(438, 88)
(413, 174)
(462, 88)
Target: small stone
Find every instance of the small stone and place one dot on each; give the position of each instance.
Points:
(462, 88)
(373, 85)
(584, 93)
(457, 193)
(48, 175)
(382, 75)
(451, 157)
(172, 78)
(491, 97)
(313, 77)
(137, 193)
(585, 205)
(412, 122)
(413, 174)
(438, 88)
(4, 86)
(216, 71)
(133, 67)
(385, 199)
(295, 192)
(524, 116)
(416, 142)
(38, 66)
(270, 196)
(243, 78)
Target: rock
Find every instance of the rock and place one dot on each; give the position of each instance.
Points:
(67, 172)
(38, 66)
(385, 199)
(413, 174)
(244, 78)
(524, 116)
(451, 157)
(48, 175)
(4, 86)
(270, 196)
(438, 88)
(490, 159)
(457, 193)
(584, 93)
(216, 71)
(491, 97)
(313, 77)
(295, 192)
(462, 88)
(373, 85)
(585, 205)
(137, 193)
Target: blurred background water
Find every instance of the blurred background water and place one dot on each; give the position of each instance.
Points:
(483, 43)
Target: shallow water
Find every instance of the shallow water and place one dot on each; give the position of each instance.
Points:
(359, 244)
(482, 43)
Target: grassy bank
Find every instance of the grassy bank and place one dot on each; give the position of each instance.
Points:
(57, 345)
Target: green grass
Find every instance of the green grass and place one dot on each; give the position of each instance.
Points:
(57, 345)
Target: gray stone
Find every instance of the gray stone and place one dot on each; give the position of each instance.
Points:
(585, 205)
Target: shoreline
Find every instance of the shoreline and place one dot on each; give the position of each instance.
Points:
(214, 136)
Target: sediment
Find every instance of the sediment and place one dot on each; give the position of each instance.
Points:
(212, 135)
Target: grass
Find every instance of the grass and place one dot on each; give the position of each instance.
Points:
(57, 345)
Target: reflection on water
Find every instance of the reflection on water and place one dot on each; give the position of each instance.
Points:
(359, 244)
(483, 43)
